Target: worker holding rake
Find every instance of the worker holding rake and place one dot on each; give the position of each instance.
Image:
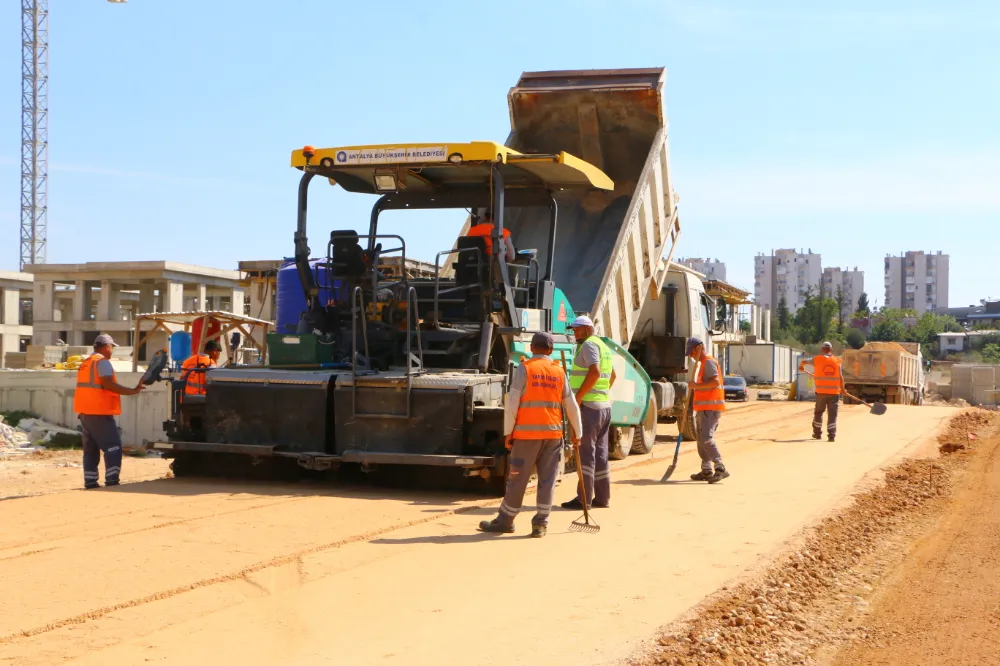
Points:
(533, 425)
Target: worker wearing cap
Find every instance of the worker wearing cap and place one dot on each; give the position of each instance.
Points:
(708, 402)
(484, 230)
(97, 400)
(533, 426)
(591, 379)
(829, 381)
(194, 367)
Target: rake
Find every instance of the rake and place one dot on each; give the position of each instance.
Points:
(584, 522)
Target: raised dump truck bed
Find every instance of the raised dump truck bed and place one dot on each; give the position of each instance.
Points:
(888, 371)
(612, 248)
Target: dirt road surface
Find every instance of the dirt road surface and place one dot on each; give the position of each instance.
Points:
(179, 571)
(941, 605)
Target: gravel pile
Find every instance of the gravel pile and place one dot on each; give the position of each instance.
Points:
(794, 608)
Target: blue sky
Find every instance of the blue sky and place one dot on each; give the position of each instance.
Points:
(852, 128)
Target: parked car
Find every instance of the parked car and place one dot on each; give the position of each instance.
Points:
(735, 388)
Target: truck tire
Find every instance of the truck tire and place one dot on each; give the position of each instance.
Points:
(620, 442)
(186, 463)
(644, 434)
(690, 432)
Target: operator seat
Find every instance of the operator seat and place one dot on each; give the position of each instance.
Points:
(348, 257)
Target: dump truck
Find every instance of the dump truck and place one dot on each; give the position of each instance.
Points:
(890, 372)
(393, 370)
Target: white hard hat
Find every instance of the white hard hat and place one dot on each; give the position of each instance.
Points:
(582, 321)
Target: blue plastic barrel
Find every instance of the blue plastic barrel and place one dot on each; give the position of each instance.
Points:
(290, 301)
(180, 346)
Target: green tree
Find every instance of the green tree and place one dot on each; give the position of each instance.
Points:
(888, 330)
(988, 325)
(814, 319)
(991, 353)
(855, 338)
(784, 317)
(841, 304)
(863, 307)
(744, 326)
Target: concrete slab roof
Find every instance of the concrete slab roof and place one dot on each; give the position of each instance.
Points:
(23, 279)
(131, 270)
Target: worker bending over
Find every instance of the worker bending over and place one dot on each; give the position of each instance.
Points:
(708, 402)
(591, 378)
(97, 401)
(484, 230)
(533, 426)
(194, 367)
(829, 381)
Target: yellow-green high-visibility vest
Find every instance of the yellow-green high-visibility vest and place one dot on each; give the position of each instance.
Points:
(601, 390)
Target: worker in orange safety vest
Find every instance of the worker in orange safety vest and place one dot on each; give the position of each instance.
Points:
(193, 369)
(708, 403)
(533, 425)
(484, 230)
(97, 401)
(829, 380)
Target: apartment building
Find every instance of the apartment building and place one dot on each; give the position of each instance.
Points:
(786, 273)
(851, 284)
(15, 312)
(711, 268)
(917, 281)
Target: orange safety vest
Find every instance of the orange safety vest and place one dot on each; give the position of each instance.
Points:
(539, 416)
(194, 380)
(826, 374)
(90, 397)
(486, 232)
(713, 399)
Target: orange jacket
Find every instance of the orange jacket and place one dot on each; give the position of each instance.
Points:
(90, 397)
(195, 380)
(486, 232)
(713, 399)
(827, 375)
(539, 416)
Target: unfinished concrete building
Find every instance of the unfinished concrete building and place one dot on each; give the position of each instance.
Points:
(74, 303)
(15, 313)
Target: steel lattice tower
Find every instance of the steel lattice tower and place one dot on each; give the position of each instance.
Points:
(34, 129)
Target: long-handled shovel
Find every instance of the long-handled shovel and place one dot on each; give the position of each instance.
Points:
(680, 437)
(878, 409)
(583, 523)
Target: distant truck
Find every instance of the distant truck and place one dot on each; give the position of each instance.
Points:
(892, 372)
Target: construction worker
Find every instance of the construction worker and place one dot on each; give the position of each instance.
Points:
(591, 379)
(97, 401)
(708, 403)
(829, 381)
(533, 418)
(485, 230)
(194, 367)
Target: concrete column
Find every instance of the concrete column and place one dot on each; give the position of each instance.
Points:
(147, 299)
(262, 300)
(104, 304)
(766, 320)
(202, 297)
(173, 296)
(237, 301)
(44, 301)
(754, 319)
(11, 306)
(114, 311)
(81, 297)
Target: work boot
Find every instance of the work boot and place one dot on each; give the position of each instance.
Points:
(495, 527)
(703, 475)
(830, 438)
(573, 505)
(91, 486)
(817, 435)
(109, 484)
(538, 531)
(720, 474)
(599, 505)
